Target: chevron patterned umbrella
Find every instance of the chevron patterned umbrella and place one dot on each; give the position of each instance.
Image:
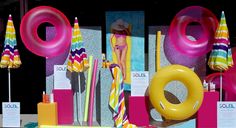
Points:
(10, 56)
(221, 56)
(78, 61)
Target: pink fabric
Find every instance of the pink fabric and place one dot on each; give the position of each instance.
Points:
(64, 99)
(138, 110)
(120, 47)
(207, 114)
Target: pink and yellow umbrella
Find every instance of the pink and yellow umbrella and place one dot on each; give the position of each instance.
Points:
(10, 56)
(78, 61)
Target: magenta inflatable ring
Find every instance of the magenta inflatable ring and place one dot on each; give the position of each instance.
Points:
(28, 31)
(178, 36)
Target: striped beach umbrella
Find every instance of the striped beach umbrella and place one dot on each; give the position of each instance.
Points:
(220, 58)
(78, 61)
(10, 57)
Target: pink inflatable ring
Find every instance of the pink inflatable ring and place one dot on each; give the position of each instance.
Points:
(178, 36)
(28, 31)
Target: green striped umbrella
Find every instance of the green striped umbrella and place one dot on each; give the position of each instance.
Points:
(221, 56)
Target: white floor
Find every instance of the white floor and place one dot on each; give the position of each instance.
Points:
(25, 119)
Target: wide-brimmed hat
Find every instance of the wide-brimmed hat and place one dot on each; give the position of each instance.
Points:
(119, 25)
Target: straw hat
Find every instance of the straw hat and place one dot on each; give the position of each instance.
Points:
(119, 25)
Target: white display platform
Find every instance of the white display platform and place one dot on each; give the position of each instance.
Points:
(25, 119)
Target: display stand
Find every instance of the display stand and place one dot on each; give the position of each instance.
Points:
(10, 114)
(140, 115)
(226, 117)
(105, 114)
(207, 114)
(47, 114)
(64, 99)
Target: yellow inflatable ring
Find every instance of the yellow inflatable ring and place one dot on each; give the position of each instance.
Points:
(193, 84)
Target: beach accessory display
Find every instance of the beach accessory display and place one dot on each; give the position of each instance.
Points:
(178, 36)
(193, 84)
(45, 14)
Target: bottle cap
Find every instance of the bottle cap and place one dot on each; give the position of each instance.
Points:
(51, 98)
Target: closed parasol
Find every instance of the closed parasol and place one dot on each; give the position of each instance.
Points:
(78, 61)
(10, 56)
(221, 56)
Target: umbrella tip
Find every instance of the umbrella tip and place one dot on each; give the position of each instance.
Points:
(76, 20)
(9, 18)
(223, 14)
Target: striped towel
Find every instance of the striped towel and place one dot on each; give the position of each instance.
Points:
(221, 56)
(10, 56)
(78, 60)
(117, 100)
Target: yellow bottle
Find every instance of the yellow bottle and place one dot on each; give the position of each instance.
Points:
(103, 60)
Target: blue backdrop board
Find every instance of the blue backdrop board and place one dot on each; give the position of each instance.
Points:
(128, 25)
(106, 118)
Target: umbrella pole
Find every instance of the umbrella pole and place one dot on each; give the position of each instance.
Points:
(76, 108)
(9, 85)
(80, 106)
(220, 85)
